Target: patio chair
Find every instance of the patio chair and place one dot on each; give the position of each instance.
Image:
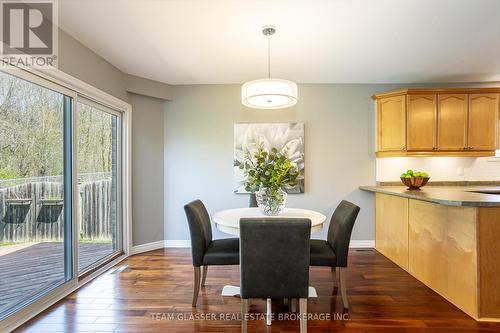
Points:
(50, 211)
(16, 211)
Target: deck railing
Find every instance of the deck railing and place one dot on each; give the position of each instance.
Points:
(31, 209)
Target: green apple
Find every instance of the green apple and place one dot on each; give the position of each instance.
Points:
(409, 172)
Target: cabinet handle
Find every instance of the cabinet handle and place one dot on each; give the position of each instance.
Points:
(403, 148)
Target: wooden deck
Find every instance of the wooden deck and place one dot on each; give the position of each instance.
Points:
(149, 288)
(36, 268)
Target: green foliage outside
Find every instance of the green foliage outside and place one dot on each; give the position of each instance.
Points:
(95, 137)
(8, 174)
(31, 136)
(31, 132)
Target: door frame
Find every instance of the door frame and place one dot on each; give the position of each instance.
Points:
(59, 81)
(119, 187)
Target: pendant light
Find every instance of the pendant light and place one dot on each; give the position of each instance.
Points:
(269, 93)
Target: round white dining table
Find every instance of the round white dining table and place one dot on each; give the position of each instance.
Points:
(228, 221)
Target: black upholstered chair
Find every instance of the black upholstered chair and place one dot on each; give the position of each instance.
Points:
(274, 262)
(334, 251)
(206, 251)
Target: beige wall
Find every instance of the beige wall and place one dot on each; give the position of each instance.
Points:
(339, 150)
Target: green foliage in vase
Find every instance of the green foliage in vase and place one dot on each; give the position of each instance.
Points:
(272, 170)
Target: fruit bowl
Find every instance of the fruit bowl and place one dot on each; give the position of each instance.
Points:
(415, 183)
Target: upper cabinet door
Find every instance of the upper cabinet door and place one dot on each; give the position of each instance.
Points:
(391, 118)
(483, 122)
(452, 122)
(421, 122)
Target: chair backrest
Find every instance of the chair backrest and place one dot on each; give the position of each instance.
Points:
(252, 200)
(199, 228)
(340, 229)
(274, 257)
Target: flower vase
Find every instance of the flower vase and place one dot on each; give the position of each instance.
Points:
(271, 202)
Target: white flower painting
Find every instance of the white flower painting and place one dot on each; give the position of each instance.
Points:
(285, 137)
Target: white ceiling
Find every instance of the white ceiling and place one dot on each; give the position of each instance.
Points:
(317, 41)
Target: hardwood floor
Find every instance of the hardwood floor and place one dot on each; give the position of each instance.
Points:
(158, 284)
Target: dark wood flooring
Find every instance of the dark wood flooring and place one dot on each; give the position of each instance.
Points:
(154, 292)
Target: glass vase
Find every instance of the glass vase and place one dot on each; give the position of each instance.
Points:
(271, 202)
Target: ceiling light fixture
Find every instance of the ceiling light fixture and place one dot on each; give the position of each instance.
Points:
(269, 93)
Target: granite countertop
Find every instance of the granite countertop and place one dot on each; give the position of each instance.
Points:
(444, 195)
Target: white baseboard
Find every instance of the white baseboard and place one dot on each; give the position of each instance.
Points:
(362, 244)
(147, 247)
(173, 243)
(186, 243)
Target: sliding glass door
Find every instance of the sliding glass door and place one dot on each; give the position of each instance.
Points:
(35, 191)
(60, 190)
(99, 161)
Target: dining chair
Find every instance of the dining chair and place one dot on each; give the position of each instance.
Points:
(334, 251)
(274, 263)
(205, 251)
(252, 201)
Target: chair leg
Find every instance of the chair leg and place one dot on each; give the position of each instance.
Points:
(268, 312)
(343, 287)
(196, 285)
(335, 278)
(204, 275)
(303, 314)
(293, 305)
(244, 311)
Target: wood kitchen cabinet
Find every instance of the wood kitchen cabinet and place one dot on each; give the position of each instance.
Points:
(483, 122)
(451, 249)
(391, 120)
(452, 122)
(421, 125)
(438, 122)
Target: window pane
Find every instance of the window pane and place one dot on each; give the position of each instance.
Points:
(97, 184)
(32, 188)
